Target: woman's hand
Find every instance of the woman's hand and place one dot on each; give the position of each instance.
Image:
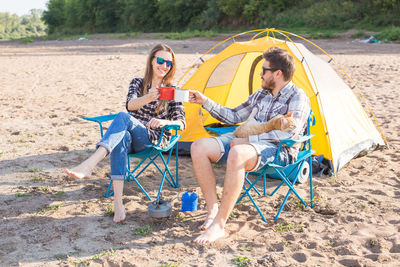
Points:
(153, 94)
(157, 123)
(197, 97)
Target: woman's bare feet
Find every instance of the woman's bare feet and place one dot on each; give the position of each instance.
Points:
(79, 172)
(119, 209)
(84, 170)
(213, 232)
(119, 214)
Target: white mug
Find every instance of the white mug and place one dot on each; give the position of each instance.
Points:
(181, 95)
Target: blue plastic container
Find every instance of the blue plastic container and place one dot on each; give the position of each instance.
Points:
(189, 201)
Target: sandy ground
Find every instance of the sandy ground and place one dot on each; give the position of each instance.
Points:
(48, 220)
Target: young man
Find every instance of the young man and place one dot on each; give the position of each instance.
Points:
(278, 96)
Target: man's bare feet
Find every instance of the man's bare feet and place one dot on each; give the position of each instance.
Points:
(209, 219)
(79, 172)
(213, 232)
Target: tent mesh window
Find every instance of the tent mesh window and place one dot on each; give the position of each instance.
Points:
(225, 71)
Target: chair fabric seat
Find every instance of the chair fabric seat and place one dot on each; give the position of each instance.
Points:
(221, 130)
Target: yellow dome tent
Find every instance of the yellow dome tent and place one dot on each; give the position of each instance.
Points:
(343, 130)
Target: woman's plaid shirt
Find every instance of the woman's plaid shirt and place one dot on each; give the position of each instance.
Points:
(175, 111)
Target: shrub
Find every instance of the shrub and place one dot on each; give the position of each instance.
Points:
(27, 40)
(391, 34)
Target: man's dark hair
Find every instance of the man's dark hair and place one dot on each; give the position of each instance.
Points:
(280, 59)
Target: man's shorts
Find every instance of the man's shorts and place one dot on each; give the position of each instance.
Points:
(266, 151)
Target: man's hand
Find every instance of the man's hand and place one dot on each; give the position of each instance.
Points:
(239, 141)
(197, 97)
(157, 123)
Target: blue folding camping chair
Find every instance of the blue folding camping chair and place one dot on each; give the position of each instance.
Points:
(288, 174)
(150, 155)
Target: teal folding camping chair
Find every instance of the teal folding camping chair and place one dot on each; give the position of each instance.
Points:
(288, 174)
(150, 155)
(230, 129)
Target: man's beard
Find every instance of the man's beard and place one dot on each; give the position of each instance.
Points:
(270, 85)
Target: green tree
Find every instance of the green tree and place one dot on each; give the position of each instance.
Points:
(177, 14)
(210, 16)
(107, 14)
(141, 15)
(232, 8)
(54, 17)
(14, 27)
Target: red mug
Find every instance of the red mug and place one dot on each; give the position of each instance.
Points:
(166, 93)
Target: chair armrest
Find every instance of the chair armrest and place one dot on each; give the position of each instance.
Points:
(221, 130)
(292, 142)
(175, 127)
(100, 120)
(172, 126)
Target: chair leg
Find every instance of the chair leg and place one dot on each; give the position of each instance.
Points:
(176, 166)
(143, 190)
(287, 182)
(173, 182)
(256, 206)
(276, 189)
(109, 193)
(282, 182)
(311, 185)
(265, 184)
(254, 188)
(164, 173)
(283, 204)
(291, 189)
(246, 192)
(247, 189)
(171, 179)
(130, 175)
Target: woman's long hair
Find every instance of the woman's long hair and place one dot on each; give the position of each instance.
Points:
(148, 75)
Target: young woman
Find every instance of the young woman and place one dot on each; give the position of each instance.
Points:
(138, 129)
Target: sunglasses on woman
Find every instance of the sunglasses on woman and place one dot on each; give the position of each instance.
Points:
(161, 61)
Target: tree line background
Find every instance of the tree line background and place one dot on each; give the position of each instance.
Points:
(15, 27)
(117, 16)
(77, 16)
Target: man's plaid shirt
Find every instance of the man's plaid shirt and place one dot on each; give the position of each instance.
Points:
(174, 111)
(290, 98)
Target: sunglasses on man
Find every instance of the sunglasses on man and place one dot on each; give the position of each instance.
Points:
(266, 69)
(161, 61)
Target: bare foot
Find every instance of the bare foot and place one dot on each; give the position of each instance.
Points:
(213, 232)
(119, 214)
(79, 172)
(209, 219)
